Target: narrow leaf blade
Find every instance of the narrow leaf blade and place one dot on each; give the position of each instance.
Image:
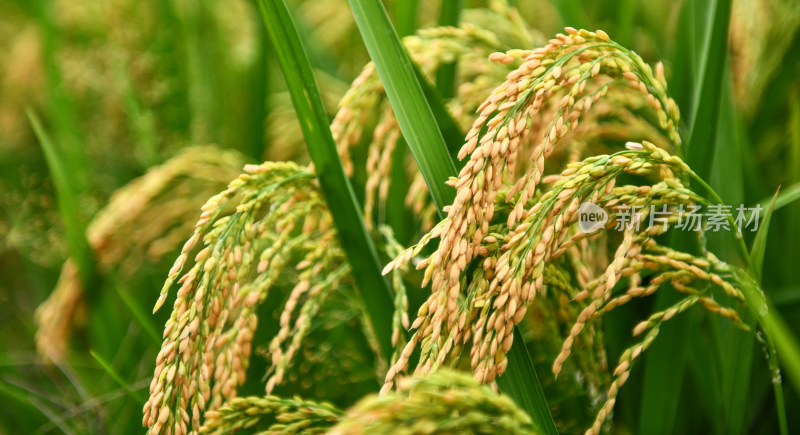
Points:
(665, 365)
(760, 242)
(68, 205)
(356, 242)
(408, 101)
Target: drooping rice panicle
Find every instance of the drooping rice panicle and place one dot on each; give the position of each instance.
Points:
(510, 248)
(280, 216)
(144, 221)
(444, 402)
(272, 414)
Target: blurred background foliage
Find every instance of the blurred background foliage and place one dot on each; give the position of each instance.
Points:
(153, 106)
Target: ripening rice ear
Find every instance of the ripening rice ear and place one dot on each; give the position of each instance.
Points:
(280, 215)
(510, 244)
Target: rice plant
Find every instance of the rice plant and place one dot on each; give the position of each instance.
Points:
(490, 225)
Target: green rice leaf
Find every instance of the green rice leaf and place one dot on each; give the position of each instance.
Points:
(665, 366)
(521, 382)
(451, 132)
(762, 311)
(760, 243)
(784, 197)
(408, 101)
(405, 13)
(768, 320)
(356, 242)
(116, 377)
(139, 315)
(786, 345)
(68, 201)
(730, 350)
(712, 58)
(445, 75)
(626, 11)
(781, 341)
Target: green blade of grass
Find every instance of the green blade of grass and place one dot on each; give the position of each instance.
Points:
(446, 74)
(406, 96)
(356, 242)
(757, 302)
(786, 345)
(760, 243)
(61, 109)
(703, 369)
(204, 91)
(140, 120)
(429, 149)
(451, 132)
(521, 383)
(52, 415)
(735, 348)
(116, 377)
(784, 198)
(784, 340)
(405, 13)
(762, 312)
(141, 316)
(626, 11)
(713, 55)
(664, 370)
(259, 81)
(400, 217)
(794, 149)
(68, 205)
(25, 418)
(778, 336)
(727, 175)
(666, 362)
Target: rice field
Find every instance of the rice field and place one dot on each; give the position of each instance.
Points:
(345, 217)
